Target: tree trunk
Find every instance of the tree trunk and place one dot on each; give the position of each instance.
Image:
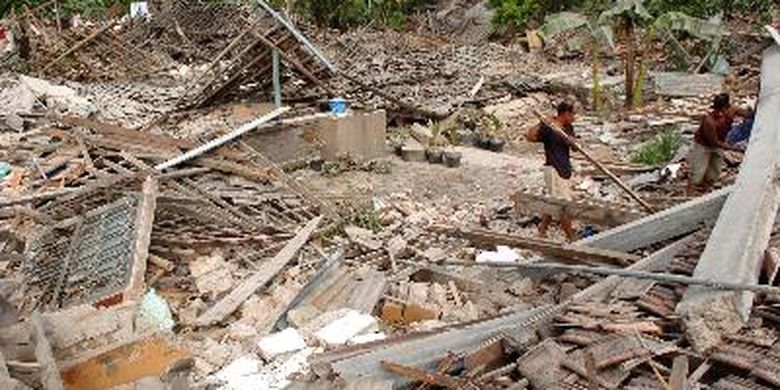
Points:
(644, 56)
(596, 74)
(629, 59)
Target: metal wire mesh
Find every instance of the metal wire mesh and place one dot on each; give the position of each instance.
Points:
(85, 262)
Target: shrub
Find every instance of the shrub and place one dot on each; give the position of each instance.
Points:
(351, 13)
(88, 8)
(659, 150)
(708, 8)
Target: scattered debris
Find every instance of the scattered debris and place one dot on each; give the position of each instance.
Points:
(162, 225)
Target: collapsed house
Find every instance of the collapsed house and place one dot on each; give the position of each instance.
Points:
(149, 239)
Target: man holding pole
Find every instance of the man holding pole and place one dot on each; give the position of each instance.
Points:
(706, 157)
(557, 162)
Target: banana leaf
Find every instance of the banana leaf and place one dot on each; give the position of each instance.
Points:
(562, 22)
(634, 9)
(699, 28)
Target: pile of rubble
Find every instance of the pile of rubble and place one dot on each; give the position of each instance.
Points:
(146, 239)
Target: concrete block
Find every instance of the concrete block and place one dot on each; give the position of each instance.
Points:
(367, 338)
(681, 84)
(288, 340)
(413, 151)
(358, 135)
(286, 144)
(340, 331)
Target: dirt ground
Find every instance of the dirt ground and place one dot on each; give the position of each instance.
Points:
(484, 180)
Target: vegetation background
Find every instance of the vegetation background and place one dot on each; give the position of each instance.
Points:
(511, 15)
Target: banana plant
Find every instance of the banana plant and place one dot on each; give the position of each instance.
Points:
(625, 17)
(599, 37)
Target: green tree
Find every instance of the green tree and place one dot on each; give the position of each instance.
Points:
(626, 18)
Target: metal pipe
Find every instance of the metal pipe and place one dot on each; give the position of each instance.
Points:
(297, 34)
(659, 277)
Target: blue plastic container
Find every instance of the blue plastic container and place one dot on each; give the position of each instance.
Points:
(5, 170)
(338, 106)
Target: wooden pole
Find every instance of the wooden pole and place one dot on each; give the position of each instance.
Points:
(595, 162)
(221, 140)
(79, 45)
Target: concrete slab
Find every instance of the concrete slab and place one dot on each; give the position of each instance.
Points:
(735, 249)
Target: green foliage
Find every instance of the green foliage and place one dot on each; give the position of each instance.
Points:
(87, 8)
(708, 8)
(495, 124)
(334, 13)
(631, 9)
(367, 218)
(352, 13)
(659, 150)
(707, 29)
(515, 15)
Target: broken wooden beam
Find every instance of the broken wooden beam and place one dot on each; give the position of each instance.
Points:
(217, 142)
(50, 374)
(593, 213)
(79, 45)
(678, 380)
(268, 271)
(314, 283)
(292, 61)
(144, 222)
(735, 249)
(94, 185)
(149, 357)
(574, 252)
(436, 379)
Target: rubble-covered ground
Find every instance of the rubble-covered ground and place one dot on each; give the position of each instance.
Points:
(260, 264)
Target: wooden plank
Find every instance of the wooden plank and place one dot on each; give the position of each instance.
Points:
(50, 374)
(735, 249)
(277, 318)
(678, 379)
(159, 141)
(268, 271)
(149, 357)
(427, 377)
(597, 214)
(143, 235)
(577, 253)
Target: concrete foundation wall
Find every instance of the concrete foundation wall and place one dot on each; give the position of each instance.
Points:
(358, 135)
